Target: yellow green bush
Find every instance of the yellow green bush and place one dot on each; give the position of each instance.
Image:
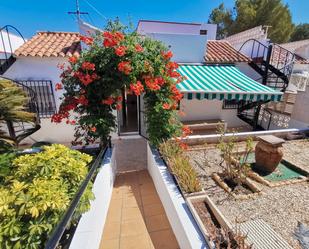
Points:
(36, 193)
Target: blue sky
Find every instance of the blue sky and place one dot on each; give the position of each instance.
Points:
(30, 16)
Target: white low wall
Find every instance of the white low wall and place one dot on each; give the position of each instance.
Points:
(240, 136)
(183, 224)
(209, 109)
(90, 228)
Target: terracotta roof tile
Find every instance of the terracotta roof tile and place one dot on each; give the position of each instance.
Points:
(219, 51)
(51, 44)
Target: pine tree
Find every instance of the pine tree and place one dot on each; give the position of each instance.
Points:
(248, 14)
(301, 32)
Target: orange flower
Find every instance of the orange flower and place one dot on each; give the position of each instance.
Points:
(160, 81)
(119, 98)
(167, 55)
(112, 39)
(125, 67)
(166, 106)
(108, 101)
(88, 66)
(118, 36)
(58, 86)
(86, 79)
(171, 65)
(152, 83)
(93, 129)
(87, 40)
(72, 59)
(137, 88)
(186, 131)
(183, 145)
(120, 51)
(139, 48)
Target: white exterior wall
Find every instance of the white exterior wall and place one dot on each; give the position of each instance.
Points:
(35, 68)
(248, 70)
(177, 28)
(186, 48)
(300, 117)
(209, 109)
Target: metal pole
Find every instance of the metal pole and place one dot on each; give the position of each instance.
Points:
(269, 53)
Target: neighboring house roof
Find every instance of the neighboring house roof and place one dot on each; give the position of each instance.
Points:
(293, 46)
(51, 44)
(222, 52)
(257, 33)
(63, 44)
(297, 47)
(280, 56)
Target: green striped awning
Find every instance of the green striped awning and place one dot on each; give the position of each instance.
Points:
(222, 82)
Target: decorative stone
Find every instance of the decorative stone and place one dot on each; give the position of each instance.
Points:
(268, 153)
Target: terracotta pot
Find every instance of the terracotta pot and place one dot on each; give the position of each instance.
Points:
(268, 153)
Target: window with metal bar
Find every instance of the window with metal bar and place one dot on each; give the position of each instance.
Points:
(230, 104)
(44, 94)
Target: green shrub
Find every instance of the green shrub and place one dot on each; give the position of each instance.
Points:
(5, 163)
(36, 193)
(180, 166)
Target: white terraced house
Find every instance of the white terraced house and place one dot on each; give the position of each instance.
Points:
(222, 85)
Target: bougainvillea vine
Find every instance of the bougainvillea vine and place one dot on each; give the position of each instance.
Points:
(117, 61)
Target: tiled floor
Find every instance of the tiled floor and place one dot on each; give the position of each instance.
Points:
(136, 217)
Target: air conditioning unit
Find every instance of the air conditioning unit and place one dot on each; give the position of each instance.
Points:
(300, 81)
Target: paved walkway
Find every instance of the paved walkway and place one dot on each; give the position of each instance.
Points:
(136, 217)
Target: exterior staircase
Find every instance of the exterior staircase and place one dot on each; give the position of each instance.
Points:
(17, 130)
(275, 65)
(8, 36)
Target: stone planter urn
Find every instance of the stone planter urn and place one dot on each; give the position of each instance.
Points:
(268, 153)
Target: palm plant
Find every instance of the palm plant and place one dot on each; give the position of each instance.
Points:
(13, 100)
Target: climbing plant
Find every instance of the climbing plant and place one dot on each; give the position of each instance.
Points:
(116, 59)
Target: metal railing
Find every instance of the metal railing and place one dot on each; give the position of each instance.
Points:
(7, 47)
(44, 95)
(67, 216)
(230, 104)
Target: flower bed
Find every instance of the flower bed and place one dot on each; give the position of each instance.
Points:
(183, 224)
(281, 207)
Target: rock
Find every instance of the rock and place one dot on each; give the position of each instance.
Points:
(302, 235)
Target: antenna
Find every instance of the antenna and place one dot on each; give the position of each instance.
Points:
(78, 13)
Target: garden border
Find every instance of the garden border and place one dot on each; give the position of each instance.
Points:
(179, 215)
(90, 227)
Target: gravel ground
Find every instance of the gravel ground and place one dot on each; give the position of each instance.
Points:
(282, 207)
(297, 152)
